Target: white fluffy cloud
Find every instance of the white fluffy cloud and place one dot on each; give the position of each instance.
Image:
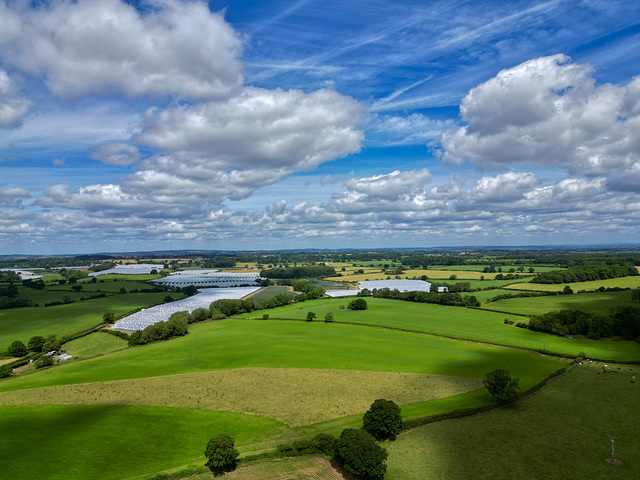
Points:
(13, 108)
(548, 112)
(222, 149)
(173, 47)
(13, 196)
(258, 129)
(391, 185)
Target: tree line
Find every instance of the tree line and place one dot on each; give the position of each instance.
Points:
(585, 273)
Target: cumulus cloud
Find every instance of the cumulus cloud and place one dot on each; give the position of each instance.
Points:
(548, 112)
(171, 47)
(221, 149)
(121, 154)
(13, 196)
(13, 108)
(288, 130)
(391, 185)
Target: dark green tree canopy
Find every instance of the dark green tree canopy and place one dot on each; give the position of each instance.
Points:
(383, 419)
(502, 386)
(221, 455)
(358, 452)
(358, 304)
(17, 349)
(36, 344)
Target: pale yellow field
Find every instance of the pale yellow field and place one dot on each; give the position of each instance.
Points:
(377, 274)
(294, 396)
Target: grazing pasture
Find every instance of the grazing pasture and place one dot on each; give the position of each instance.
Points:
(559, 433)
(456, 322)
(112, 442)
(24, 323)
(587, 302)
(94, 344)
(237, 343)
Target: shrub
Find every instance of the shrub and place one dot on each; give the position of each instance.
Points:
(328, 318)
(358, 452)
(358, 304)
(44, 361)
(311, 316)
(383, 419)
(508, 321)
(5, 371)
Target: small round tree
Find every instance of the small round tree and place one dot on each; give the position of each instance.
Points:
(358, 304)
(328, 318)
(17, 349)
(221, 455)
(36, 344)
(311, 317)
(358, 453)
(108, 317)
(502, 386)
(383, 419)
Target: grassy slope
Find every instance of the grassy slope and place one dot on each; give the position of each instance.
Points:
(23, 323)
(94, 344)
(603, 301)
(457, 322)
(238, 343)
(114, 441)
(558, 433)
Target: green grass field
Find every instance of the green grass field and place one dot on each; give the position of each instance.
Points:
(24, 323)
(558, 433)
(113, 442)
(239, 343)
(622, 282)
(458, 322)
(602, 301)
(269, 292)
(505, 269)
(95, 344)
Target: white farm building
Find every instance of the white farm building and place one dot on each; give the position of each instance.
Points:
(209, 278)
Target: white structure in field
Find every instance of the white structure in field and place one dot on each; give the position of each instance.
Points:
(209, 278)
(161, 313)
(400, 285)
(131, 269)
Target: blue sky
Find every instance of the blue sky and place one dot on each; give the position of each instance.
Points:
(317, 124)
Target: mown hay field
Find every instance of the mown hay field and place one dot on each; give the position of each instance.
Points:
(559, 433)
(457, 322)
(293, 396)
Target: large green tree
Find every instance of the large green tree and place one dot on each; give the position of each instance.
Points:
(502, 386)
(17, 349)
(221, 455)
(36, 344)
(358, 452)
(383, 419)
